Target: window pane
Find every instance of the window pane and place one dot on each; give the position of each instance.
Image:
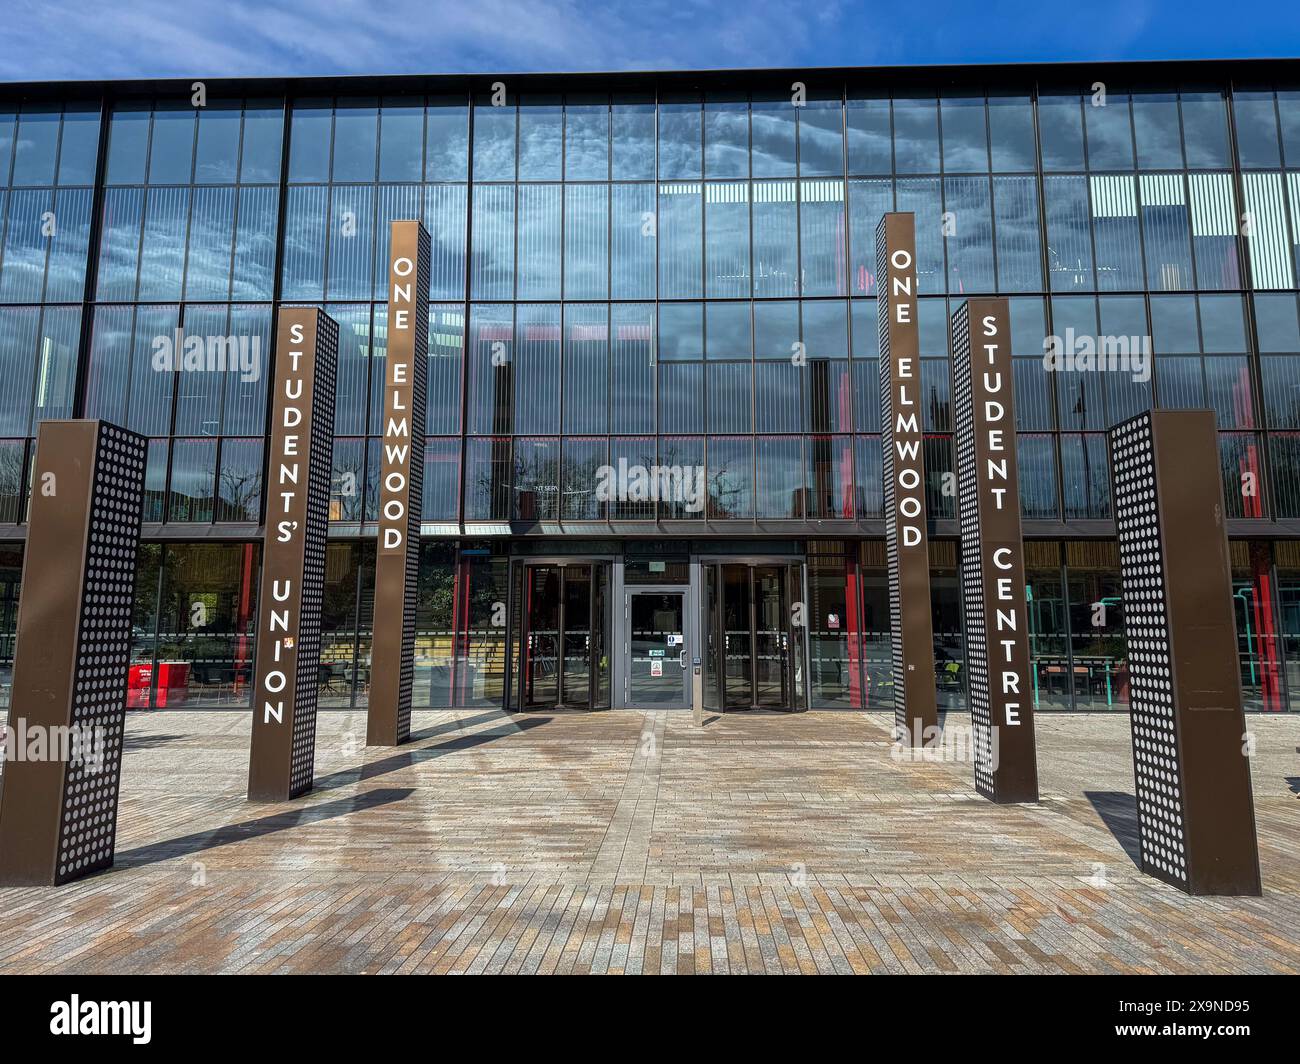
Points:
(537, 369)
(255, 241)
(868, 202)
(726, 221)
(162, 252)
(916, 135)
(1115, 233)
(1155, 124)
(586, 241)
(680, 241)
(1276, 325)
(1214, 231)
(1205, 130)
(171, 148)
(239, 487)
(821, 238)
(441, 486)
(1015, 215)
(970, 243)
(79, 147)
(726, 137)
(492, 269)
(539, 240)
(586, 368)
(36, 145)
(1110, 137)
(681, 397)
(870, 145)
(633, 360)
(401, 140)
(586, 139)
(18, 346)
(1011, 133)
(305, 226)
(923, 197)
(632, 240)
(541, 131)
(356, 132)
(1256, 119)
(26, 246)
(965, 139)
(351, 242)
(217, 155)
(679, 139)
(212, 229)
(56, 364)
(1166, 230)
(728, 331)
(1068, 241)
(774, 121)
(194, 465)
(494, 140)
(1036, 468)
(444, 218)
(128, 144)
(780, 477)
(821, 137)
(263, 142)
(632, 148)
(1085, 477)
(1060, 128)
(681, 331)
(447, 139)
(730, 399)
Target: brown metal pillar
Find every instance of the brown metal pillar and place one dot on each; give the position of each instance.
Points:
(999, 686)
(903, 460)
(1196, 816)
(59, 791)
(287, 677)
(397, 562)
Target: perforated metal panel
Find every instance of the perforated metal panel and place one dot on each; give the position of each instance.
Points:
(1157, 770)
(59, 818)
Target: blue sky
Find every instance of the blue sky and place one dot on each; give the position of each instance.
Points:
(83, 39)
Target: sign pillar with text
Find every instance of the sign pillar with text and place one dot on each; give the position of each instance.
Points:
(903, 461)
(287, 675)
(999, 685)
(67, 714)
(1196, 814)
(392, 662)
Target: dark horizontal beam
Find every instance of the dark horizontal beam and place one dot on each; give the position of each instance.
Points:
(1128, 74)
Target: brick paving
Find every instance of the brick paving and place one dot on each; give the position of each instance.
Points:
(639, 843)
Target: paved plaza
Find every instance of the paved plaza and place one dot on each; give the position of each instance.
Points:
(637, 842)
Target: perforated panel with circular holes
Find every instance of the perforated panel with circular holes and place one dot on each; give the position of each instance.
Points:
(1151, 684)
(88, 828)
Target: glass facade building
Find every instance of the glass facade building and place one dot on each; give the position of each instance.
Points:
(662, 272)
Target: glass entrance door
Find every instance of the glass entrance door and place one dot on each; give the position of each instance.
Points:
(753, 647)
(657, 669)
(563, 624)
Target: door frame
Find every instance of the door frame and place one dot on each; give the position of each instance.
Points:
(798, 561)
(624, 642)
(517, 581)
